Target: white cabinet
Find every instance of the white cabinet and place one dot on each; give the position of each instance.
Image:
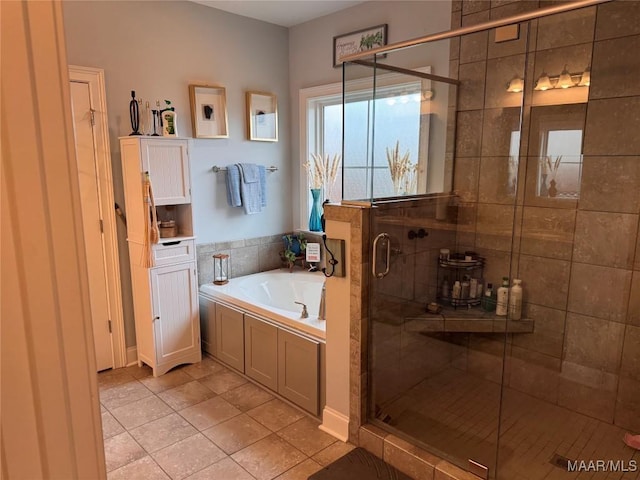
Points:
(165, 296)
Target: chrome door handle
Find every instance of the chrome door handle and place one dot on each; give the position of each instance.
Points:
(383, 236)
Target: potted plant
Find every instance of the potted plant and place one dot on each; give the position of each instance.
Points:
(294, 248)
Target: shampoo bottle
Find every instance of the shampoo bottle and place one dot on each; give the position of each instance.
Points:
(445, 288)
(503, 298)
(487, 303)
(456, 290)
(515, 300)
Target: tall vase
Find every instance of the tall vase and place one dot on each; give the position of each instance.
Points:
(315, 222)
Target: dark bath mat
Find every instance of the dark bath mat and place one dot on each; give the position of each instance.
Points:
(359, 464)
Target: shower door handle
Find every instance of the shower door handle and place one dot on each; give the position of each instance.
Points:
(383, 236)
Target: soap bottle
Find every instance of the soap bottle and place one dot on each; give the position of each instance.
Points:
(515, 300)
(169, 125)
(455, 292)
(465, 288)
(445, 288)
(487, 303)
(502, 298)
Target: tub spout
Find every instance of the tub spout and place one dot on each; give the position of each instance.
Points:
(323, 305)
(305, 313)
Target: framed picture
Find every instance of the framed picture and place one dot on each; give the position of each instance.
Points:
(262, 117)
(208, 111)
(359, 41)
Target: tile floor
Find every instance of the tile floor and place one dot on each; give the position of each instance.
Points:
(204, 421)
(457, 413)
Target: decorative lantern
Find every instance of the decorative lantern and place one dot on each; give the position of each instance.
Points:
(220, 268)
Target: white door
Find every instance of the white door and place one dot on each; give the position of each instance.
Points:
(92, 222)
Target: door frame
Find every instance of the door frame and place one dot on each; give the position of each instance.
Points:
(94, 77)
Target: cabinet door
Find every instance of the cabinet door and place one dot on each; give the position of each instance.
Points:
(230, 336)
(176, 324)
(298, 370)
(167, 162)
(208, 325)
(261, 351)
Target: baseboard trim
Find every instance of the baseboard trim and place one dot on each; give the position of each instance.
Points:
(132, 356)
(335, 423)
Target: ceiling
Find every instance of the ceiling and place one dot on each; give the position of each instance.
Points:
(286, 13)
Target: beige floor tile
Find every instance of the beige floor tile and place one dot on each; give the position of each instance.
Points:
(163, 432)
(236, 433)
(302, 471)
(225, 469)
(247, 396)
(209, 413)
(139, 372)
(120, 450)
(138, 413)
(188, 456)
(166, 381)
(275, 414)
(110, 426)
(269, 457)
(112, 378)
(124, 393)
(222, 381)
(306, 436)
(186, 395)
(204, 368)
(143, 468)
(332, 452)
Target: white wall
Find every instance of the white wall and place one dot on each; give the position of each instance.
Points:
(158, 49)
(311, 51)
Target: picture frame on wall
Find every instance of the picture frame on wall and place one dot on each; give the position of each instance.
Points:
(262, 116)
(358, 41)
(208, 111)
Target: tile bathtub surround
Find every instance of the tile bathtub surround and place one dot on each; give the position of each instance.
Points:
(182, 429)
(246, 256)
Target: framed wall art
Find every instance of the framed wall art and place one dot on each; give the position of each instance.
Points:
(358, 41)
(208, 111)
(262, 117)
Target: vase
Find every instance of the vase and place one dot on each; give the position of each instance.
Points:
(553, 191)
(315, 219)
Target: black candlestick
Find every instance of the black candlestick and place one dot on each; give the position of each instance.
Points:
(134, 113)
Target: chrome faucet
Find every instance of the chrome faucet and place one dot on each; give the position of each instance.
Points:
(304, 313)
(323, 304)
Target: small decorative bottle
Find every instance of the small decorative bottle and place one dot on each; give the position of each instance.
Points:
(445, 289)
(503, 298)
(488, 304)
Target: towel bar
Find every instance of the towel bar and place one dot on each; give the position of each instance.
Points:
(217, 169)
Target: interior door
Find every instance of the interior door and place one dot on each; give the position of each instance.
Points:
(92, 223)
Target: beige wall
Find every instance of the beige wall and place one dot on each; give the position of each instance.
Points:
(579, 259)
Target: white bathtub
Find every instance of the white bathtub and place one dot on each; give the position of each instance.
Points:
(272, 295)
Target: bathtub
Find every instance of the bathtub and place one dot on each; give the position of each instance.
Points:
(272, 295)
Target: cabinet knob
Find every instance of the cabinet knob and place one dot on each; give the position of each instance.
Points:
(156, 318)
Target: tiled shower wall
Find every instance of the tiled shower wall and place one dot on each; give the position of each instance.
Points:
(579, 259)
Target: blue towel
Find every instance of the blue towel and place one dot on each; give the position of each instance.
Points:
(263, 185)
(250, 189)
(233, 186)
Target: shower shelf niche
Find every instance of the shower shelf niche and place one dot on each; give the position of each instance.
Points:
(466, 321)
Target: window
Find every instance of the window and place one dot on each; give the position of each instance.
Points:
(394, 120)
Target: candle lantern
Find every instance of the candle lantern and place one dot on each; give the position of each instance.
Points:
(220, 268)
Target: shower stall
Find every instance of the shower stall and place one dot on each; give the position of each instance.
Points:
(507, 148)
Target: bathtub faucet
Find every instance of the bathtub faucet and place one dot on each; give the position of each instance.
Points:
(323, 304)
(304, 313)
